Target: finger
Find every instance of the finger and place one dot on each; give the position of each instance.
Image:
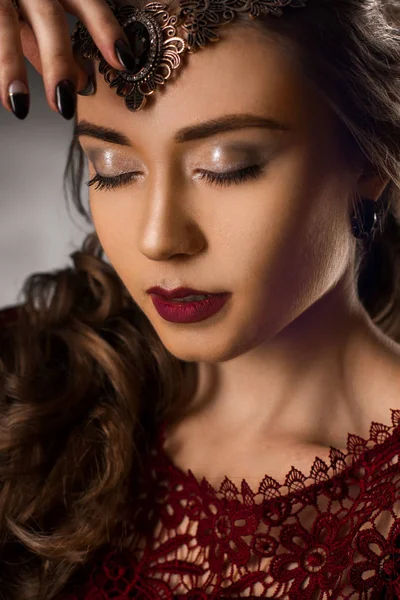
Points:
(48, 21)
(31, 51)
(30, 46)
(104, 28)
(12, 64)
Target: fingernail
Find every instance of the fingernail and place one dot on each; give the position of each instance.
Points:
(89, 88)
(18, 94)
(66, 99)
(125, 56)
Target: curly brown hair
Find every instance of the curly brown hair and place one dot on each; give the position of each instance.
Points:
(85, 380)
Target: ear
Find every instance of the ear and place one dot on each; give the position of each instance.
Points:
(371, 184)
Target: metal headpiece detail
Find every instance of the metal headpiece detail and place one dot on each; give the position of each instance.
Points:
(152, 33)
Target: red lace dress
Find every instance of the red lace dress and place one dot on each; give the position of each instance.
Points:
(332, 535)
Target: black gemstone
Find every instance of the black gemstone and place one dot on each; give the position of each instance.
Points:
(139, 41)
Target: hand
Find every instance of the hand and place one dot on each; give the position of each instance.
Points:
(43, 36)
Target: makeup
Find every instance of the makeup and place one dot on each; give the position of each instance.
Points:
(189, 312)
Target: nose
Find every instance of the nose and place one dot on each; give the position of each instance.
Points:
(170, 227)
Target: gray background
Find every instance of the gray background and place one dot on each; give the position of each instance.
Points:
(36, 231)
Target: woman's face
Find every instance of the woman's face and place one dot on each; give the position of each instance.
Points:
(277, 242)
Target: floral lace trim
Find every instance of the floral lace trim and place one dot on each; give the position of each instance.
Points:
(360, 454)
(336, 543)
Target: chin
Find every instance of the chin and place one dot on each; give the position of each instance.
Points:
(202, 346)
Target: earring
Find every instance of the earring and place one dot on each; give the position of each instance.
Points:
(365, 222)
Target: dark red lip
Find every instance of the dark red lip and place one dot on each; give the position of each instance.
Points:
(189, 312)
(180, 292)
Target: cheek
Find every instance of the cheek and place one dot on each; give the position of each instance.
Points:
(291, 248)
(115, 229)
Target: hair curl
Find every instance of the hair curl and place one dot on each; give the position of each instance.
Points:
(84, 378)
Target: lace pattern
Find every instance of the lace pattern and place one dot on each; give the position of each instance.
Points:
(334, 534)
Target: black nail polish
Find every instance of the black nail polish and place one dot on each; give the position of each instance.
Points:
(18, 94)
(20, 105)
(125, 55)
(66, 98)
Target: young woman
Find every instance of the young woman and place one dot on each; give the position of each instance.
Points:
(244, 445)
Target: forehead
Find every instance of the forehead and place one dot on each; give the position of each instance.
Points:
(246, 71)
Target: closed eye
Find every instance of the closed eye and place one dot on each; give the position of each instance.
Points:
(219, 179)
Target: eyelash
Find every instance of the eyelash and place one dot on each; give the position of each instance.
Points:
(219, 179)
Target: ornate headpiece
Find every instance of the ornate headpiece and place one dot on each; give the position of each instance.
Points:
(152, 36)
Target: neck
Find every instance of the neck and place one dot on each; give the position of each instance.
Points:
(318, 378)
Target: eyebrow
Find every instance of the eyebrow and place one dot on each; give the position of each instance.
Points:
(187, 134)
